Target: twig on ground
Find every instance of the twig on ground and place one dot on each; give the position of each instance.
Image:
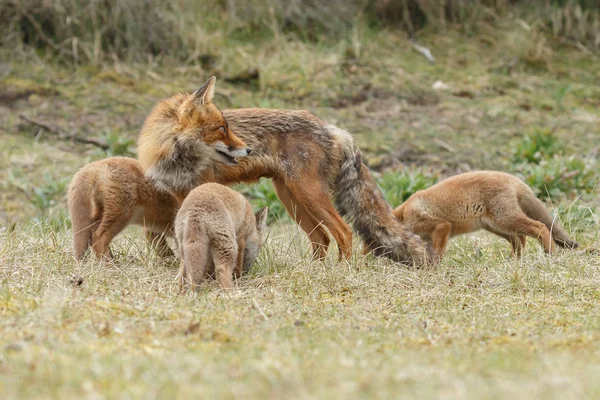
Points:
(423, 50)
(444, 145)
(60, 134)
(260, 310)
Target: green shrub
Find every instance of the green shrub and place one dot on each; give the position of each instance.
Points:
(536, 146)
(262, 195)
(43, 197)
(576, 217)
(561, 177)
(399, 186)
(118, 145)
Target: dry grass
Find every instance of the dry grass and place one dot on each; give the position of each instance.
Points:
(83, 32)
(479, 326)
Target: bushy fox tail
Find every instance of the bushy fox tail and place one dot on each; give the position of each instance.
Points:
(82, 212)
(534, 209)
(359, 199)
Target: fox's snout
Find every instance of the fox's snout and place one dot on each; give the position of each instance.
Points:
(229, 154)
(247, 151)
(235, 151)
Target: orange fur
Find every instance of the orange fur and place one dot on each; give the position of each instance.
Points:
(497, 202)
(107, 195)
(184, 136)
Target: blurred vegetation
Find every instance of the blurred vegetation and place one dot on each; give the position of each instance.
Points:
(536, 146)
(539, 159)
(118, 145)
(43, 197)
(560, 177)
(506, 68)
(262, 195)
(78, 31)
(397, 187)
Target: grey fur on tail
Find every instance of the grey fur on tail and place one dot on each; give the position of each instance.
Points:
(359, 199)
(535, 209)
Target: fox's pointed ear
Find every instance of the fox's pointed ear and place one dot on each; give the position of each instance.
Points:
(206, 92)
(261, 218)
(399, 213)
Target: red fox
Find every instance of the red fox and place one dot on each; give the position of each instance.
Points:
(107, 195)
(497, 202)
(313, 165)
(218, 233)
(186, 135)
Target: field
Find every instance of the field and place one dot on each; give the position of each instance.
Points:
(479, 325)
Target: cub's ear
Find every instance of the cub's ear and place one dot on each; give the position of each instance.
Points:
(261, 218)
(399, 212)
(206, 92)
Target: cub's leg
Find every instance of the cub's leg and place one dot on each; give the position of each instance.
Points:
(521, 225)
(111, 225)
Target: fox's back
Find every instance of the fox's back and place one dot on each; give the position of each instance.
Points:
(469, 195)
(215, 207)
(121, 182)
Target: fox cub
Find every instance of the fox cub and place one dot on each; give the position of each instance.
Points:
(107, 195)
(497, 202)
(218, 233)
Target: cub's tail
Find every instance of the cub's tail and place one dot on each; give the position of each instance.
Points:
(535, 209)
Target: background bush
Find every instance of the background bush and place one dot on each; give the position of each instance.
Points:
(94, 31)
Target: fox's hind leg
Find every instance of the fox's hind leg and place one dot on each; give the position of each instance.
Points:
(316, 201)
(194, 260)
(521, 225)
(314, 229)
(517, 243)
(225, 259)
(110, 226)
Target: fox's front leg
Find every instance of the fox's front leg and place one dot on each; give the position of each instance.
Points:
(440, 237)
(239, 266)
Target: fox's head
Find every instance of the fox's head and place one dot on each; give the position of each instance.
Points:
(202, 122)
(255, 241)
(183, 137)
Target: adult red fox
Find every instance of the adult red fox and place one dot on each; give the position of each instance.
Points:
(497, 202)
(312, 164)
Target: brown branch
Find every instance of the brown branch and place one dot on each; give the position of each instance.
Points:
(64, 135)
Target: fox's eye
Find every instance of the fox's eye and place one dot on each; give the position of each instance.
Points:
(222, 129)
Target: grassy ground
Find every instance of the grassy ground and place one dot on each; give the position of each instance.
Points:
(478, 326)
